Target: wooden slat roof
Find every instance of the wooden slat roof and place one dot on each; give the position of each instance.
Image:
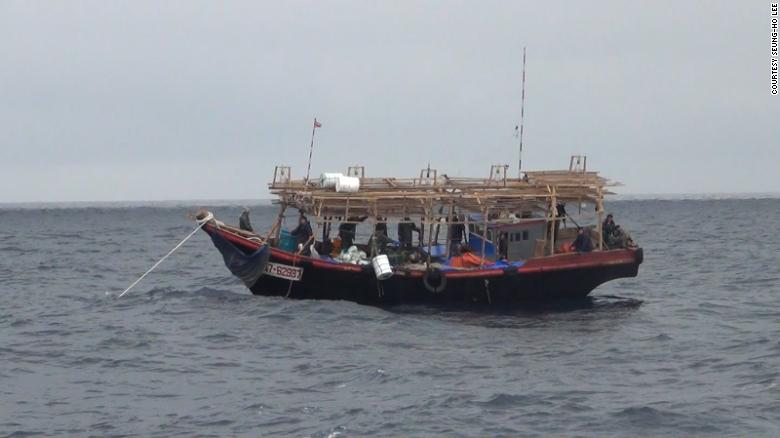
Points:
(387, 196)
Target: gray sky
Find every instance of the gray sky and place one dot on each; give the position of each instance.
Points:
(192, 100)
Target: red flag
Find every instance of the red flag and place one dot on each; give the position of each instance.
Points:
(317, 124)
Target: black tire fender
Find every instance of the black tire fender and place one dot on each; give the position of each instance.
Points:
(434, 280)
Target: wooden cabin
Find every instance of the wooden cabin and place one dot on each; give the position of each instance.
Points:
(516, 216)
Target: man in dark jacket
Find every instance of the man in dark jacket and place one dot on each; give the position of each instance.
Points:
(243, 221)
(608, 227)
(379, 240)
(457, 231)
(614, 236)
(582, 243)
(503, 246)
(405, 228)
(303, 234)
(347, 231)
(380, 229)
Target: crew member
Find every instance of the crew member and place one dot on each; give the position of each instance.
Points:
(457, 231)
(303, 234)
(379, 240)
(503, 246)
(582, 243)
(608, 227)
(560, 211)
(243, 221)
(348, 229)
(405, 228)
(614, 236)
(381, 227)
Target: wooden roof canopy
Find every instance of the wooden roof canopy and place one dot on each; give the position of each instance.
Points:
(430, 192)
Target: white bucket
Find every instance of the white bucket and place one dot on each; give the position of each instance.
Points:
(382, 267)
(328, 180)
(347, 184)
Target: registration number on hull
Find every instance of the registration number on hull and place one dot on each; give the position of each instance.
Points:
(284, 271)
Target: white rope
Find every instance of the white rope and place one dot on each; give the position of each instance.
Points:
(201, 222)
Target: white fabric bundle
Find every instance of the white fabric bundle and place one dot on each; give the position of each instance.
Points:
(347, 184)
(328, 180)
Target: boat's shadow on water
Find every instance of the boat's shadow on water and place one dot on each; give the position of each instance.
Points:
(592, 313)
(601, 303)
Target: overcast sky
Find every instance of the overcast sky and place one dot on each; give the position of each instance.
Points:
(112, 100)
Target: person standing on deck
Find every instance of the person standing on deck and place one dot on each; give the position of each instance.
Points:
(457, 231)
(347, 231)
(379, 240)
(405, 228)
(503, 246)
(380, 229)
(608, 227)
(303, 234)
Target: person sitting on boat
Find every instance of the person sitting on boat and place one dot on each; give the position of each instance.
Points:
(303, 234)
(614, 236)
(582, 243)
(243, 221)
(405, 228)
(347, 231)
(457, 232)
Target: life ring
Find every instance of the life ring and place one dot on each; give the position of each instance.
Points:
(436, 277)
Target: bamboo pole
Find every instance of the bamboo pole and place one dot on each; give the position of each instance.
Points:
(600, 211)
(449, 230)
(430, 234)
(314, 233)
(421, 234)
(276, 231)
(485, 214)
(553, 216)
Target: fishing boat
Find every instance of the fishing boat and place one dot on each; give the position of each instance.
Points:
(496, 241)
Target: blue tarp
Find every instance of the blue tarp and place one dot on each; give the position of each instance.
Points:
(247, 267)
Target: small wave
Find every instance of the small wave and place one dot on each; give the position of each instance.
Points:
(506, 401)
(220, 338)
(645, 414)
(649, 418)
(171, 293)
(13, 248)
(23, 433)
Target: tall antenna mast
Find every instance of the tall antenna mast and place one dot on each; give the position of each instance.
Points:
(522, 114)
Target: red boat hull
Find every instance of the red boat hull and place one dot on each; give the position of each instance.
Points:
(563, 276)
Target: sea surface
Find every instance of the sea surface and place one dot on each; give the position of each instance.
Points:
(691, 347)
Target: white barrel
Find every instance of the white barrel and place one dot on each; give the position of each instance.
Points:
(382, 267)
(347, 184)
(328, 179)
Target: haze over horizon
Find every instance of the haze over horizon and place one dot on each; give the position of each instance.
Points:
(143, 101)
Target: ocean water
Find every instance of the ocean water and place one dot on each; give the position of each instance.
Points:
(691, 347)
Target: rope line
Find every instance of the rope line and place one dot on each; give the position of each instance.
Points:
(200, 223)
